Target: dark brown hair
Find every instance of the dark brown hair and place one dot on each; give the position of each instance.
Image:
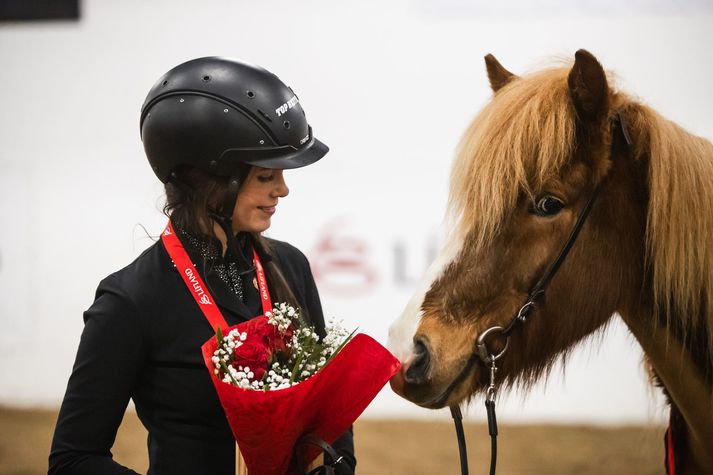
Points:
(189, 202)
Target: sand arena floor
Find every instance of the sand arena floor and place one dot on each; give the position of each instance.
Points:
(395, 447)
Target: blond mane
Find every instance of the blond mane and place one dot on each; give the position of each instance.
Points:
(527, 135)
(679, 232)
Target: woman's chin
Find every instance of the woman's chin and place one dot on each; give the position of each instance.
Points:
(262, 227)
(255, 227)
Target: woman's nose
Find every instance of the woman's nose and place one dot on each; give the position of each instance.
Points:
(281, 190)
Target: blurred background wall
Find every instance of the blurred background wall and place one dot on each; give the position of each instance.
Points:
(389, 85)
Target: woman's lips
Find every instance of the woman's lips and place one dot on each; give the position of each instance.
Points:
(267, 209)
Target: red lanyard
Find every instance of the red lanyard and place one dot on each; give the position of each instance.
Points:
(195, 284)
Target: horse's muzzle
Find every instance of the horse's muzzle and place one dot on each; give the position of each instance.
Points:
(417, 371)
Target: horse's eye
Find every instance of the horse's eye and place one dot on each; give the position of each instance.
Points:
(547, 206)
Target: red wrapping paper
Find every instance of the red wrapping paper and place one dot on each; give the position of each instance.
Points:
(267, 424)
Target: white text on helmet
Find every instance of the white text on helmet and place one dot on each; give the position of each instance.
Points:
(286, 106)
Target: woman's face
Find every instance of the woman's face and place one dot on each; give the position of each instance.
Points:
(257, 199)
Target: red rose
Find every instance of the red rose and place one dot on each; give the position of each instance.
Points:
(254, 355)
(270, 336)
(257, 326)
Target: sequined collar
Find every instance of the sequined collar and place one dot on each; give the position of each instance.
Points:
(210, 251)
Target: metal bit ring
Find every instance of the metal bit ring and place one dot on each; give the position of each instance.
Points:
(488, 356)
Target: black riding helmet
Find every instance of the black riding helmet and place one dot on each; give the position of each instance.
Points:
(217, 114)
(221, 116)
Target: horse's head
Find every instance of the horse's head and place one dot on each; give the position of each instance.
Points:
(525, 169)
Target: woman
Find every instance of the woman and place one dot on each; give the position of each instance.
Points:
(218, 133)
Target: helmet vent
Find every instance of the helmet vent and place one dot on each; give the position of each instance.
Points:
(164, 83)
(286, 124)
(250, 94)
(206, 78)
(267, 117)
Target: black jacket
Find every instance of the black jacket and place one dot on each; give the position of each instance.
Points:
(141, 340)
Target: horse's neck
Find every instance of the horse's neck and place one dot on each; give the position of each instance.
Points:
(685, 384)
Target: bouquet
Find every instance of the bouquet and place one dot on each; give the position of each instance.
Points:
(277, 381)
(275, 351)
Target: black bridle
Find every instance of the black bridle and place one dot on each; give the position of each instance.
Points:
(535, 296)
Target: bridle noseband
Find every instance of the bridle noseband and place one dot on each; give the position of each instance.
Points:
(489, 358)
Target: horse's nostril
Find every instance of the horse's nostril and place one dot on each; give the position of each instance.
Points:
(417, 371)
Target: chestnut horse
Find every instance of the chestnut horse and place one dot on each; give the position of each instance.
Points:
(526, 169)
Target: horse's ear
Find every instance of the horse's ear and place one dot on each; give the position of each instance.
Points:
(588, 85)
(497, 74)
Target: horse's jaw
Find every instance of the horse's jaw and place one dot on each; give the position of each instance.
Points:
(423, 395)
(430, 397)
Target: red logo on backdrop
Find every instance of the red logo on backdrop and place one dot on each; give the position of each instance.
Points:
(340, 261)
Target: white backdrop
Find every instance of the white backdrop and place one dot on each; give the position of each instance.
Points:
(389, 86)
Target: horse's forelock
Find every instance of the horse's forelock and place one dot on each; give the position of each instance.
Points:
(520, 139)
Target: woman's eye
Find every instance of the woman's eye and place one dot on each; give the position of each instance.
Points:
(264, 178)
(547, 206)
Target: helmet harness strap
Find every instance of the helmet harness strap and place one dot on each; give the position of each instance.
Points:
(224, 218)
